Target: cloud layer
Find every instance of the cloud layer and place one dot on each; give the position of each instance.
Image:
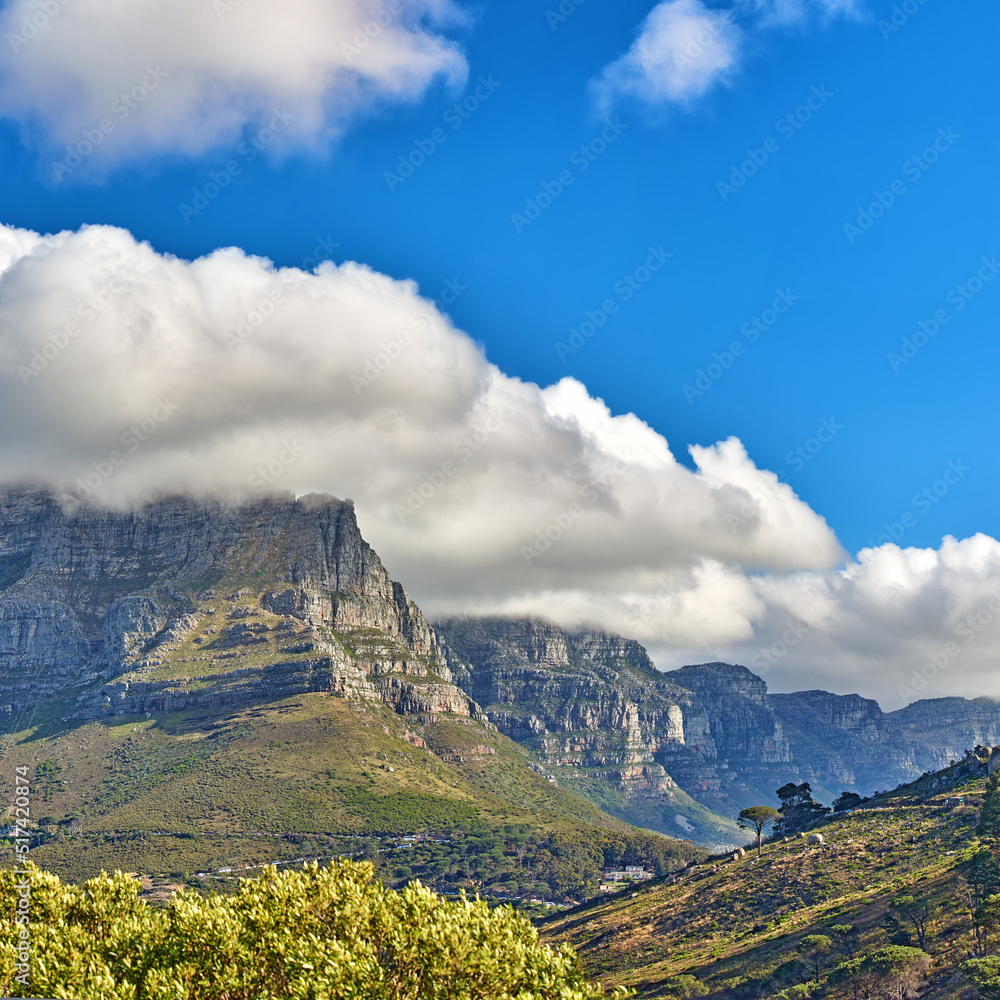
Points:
(124, 372)
(187, 75)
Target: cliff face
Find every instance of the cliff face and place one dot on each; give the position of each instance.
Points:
(601, 718)
(184, 603)
(594, 707)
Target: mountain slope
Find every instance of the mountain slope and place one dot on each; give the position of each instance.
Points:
(222, 684)
(652, 747)
(738, 926)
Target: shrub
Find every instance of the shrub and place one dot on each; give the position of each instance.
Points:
(310, 935)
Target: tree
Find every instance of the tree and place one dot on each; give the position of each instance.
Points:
(981, 874)
(814, 947)
(984, 973)
(985, 921)
(684, 987)
(847, 801)
(798, 807)
(846, 940)
(331, 932)
(915, 912)
(756, 818)
(989, 817)
(893, 971)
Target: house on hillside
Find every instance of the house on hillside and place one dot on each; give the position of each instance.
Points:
(954, 800)
(634, 872)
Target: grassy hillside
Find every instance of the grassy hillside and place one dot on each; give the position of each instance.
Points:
(737, 927)
(316, 775)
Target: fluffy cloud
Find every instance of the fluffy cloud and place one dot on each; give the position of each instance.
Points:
(897, 624)
(225, 373)
(124, 372)
(684, 48)
(187, 75)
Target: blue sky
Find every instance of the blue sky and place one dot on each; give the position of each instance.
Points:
(656, 184)
(826, 376)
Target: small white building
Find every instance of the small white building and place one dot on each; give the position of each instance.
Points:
(634, 872)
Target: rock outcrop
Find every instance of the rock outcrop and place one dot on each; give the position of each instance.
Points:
(184, 603)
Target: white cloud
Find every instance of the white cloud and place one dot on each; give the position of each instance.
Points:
(783, 12)
(683, 49)
(187, 75)
(130, 372)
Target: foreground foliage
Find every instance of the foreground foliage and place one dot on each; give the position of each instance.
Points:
(313, 935)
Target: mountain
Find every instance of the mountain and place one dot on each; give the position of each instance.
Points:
(651, 747)
(246, 674)
(195, 684)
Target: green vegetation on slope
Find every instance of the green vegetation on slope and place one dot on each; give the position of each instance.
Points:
(893, 875)
(317, 776)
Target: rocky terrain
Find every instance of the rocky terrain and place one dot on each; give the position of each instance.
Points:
(609, 724)
(150, 610)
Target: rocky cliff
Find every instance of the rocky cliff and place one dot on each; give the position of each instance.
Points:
(184, 603)
(606, 722)
(602, 719)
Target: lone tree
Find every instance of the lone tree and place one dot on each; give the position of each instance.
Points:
(915, 912)
(814, 948)
(756, 818)
(846, 940)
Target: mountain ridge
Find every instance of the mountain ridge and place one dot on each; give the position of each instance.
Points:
(186, 605)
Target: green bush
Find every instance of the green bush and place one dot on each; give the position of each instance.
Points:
(308, 935)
